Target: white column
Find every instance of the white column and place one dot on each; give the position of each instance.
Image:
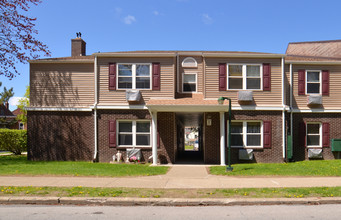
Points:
(222, 138)
(154, 129)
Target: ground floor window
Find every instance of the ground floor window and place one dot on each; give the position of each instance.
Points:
(21, 126)
(314, 131)
(246, 134)
(134, 133)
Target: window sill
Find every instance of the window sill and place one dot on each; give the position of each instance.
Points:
(242, 147)
(139, 147)
(237, 90)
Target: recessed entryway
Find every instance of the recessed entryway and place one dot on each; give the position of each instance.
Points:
(189, 138)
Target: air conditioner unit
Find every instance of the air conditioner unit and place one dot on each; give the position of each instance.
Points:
(315, 154)
(133, 95)
(245, 96)
(245, 154)
(313, 99)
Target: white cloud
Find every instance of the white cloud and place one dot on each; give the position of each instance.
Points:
(129, 19)
(156, 13)
(207, 19)
(14, 100)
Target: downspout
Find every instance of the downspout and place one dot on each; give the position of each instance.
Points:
(95, 111)
(283, 111)
(291, 109)
(177, 73)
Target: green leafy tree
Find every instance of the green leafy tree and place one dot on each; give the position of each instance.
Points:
(17, 36)
(5, 95)
(23, 103)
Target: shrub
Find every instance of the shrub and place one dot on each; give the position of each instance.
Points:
(13, 140)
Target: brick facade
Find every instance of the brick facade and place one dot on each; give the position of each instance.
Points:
(271, 155)
(167, 133)
(69, 136)
(300, 152)
(60, 135)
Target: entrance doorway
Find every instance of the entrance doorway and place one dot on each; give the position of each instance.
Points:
(189, 138)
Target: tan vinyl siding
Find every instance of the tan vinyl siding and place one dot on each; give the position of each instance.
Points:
(261, 98)
(62, 85)
(333, 101)
(114, 97)
(198, 70)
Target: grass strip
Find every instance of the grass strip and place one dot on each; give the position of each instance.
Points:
(80, 191)
(302, 168)
(19, 165)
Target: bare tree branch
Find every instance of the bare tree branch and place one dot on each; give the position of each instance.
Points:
(17, 36)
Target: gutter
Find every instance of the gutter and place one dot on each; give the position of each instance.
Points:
(95, 111)
(283, 111)
(291, 101)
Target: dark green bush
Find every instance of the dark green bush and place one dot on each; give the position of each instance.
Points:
(13, 140)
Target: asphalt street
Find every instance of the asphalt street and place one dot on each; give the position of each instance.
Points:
(278, 212)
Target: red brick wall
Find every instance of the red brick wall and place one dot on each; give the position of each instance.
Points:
(271, 155)
(212, 138)
(167, 132)
(334, 120)
(60, 135)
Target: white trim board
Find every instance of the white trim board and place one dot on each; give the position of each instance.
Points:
(58, 109)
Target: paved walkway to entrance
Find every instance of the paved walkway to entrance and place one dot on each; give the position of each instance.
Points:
(179, 177)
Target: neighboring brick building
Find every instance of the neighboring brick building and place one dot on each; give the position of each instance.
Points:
(90, 107)
(7, 118)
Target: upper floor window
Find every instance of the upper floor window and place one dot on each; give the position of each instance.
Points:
(244, 76)
(246, 134)
(189, 82)
(313, 82)
(134, 76)
(314, 131)
(189, 62)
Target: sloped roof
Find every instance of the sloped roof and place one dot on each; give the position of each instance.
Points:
(327, 51)
(16, 111)
(6, 112)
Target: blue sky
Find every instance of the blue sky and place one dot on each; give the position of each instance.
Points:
(123, 25)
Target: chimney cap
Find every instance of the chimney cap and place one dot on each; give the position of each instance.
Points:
(79, 34)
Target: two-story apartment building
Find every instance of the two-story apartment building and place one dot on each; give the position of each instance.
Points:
(91, 107)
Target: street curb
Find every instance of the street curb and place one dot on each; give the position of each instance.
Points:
(166, 201)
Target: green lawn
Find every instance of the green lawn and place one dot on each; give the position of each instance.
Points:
(80, 191)
(19, 165)
(303, 168)
(189, 147)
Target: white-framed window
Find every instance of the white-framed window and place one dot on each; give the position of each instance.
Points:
(314, 134)
(134, 76)
(189, 62)
(313, 83)
(21, 126)
(189, 82)
(247, 134)
(244, 76)
(133, 133)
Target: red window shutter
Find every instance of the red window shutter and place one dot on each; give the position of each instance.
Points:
(303, 134)
(267, 134)
(222, 76)
(112, 76)
(112, 133)
(325, 82)
(325, 135)
(301, 82)
(266, 77)
(156, 76)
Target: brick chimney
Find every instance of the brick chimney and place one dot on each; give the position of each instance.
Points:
(78, 47)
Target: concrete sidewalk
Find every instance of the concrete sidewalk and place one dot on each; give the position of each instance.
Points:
(179, 177)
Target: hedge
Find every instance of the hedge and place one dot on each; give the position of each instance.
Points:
(13, 140)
